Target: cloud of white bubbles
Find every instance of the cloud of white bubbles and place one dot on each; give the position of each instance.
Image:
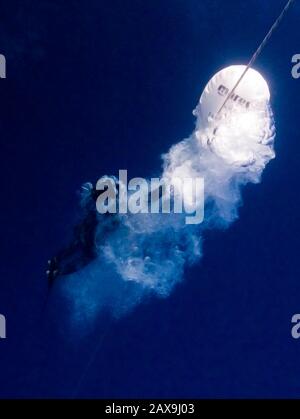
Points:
(146, 254)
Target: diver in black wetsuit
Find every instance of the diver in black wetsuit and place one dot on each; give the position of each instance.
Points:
(81, 251)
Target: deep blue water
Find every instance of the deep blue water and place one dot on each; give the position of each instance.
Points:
(94, 86)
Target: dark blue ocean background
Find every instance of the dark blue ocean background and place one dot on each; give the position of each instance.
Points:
(96, 86)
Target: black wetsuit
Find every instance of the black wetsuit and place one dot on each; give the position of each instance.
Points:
(81, 250)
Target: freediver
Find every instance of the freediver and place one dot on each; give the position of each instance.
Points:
(81, 251)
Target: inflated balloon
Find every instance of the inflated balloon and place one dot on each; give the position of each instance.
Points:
(236, 130)
(252, 92)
